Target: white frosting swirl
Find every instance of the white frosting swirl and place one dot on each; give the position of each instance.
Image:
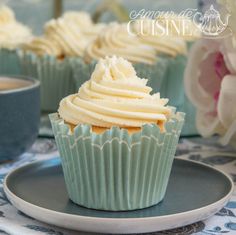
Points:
(12, 33)
(42, 46)
(6, 15)
(67, 36)
(114, 96)
(83, 21)
(116, 40)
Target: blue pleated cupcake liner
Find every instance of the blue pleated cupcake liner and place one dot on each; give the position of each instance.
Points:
(115, 170)
(55, 76)
(9, 62)
(173, 89)
(81, 71)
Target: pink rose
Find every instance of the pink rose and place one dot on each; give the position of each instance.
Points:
(210, 83)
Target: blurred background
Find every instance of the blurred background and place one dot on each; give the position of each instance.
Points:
(35, 13)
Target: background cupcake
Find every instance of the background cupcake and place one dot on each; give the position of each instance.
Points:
(172, 39)
(116, 141)
(12, 35)
(48, 57)
(180, 26)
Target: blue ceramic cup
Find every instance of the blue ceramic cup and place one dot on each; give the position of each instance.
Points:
(19, 115)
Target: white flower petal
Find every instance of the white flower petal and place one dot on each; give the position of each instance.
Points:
(229, 136)
(226, 107)
(228, 50)
(208, 125)
(199, 52)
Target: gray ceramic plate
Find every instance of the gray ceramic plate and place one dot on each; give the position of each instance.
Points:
(195, 192)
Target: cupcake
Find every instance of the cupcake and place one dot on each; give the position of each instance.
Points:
(116, 140)
(48, 57)
(12, 35)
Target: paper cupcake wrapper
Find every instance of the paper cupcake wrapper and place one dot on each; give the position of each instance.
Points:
(173, 88)
(55, 77)
(9, 62)
(189, 127)
(154, 73)
(115, 170)
(81, 71)
(190, 44)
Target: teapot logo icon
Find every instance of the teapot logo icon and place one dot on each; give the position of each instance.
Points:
(211, 24)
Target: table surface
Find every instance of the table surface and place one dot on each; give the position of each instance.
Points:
(14, 222)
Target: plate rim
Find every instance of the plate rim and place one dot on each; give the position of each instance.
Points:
(22, 204)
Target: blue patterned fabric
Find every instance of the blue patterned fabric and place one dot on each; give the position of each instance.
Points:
(14, 222)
